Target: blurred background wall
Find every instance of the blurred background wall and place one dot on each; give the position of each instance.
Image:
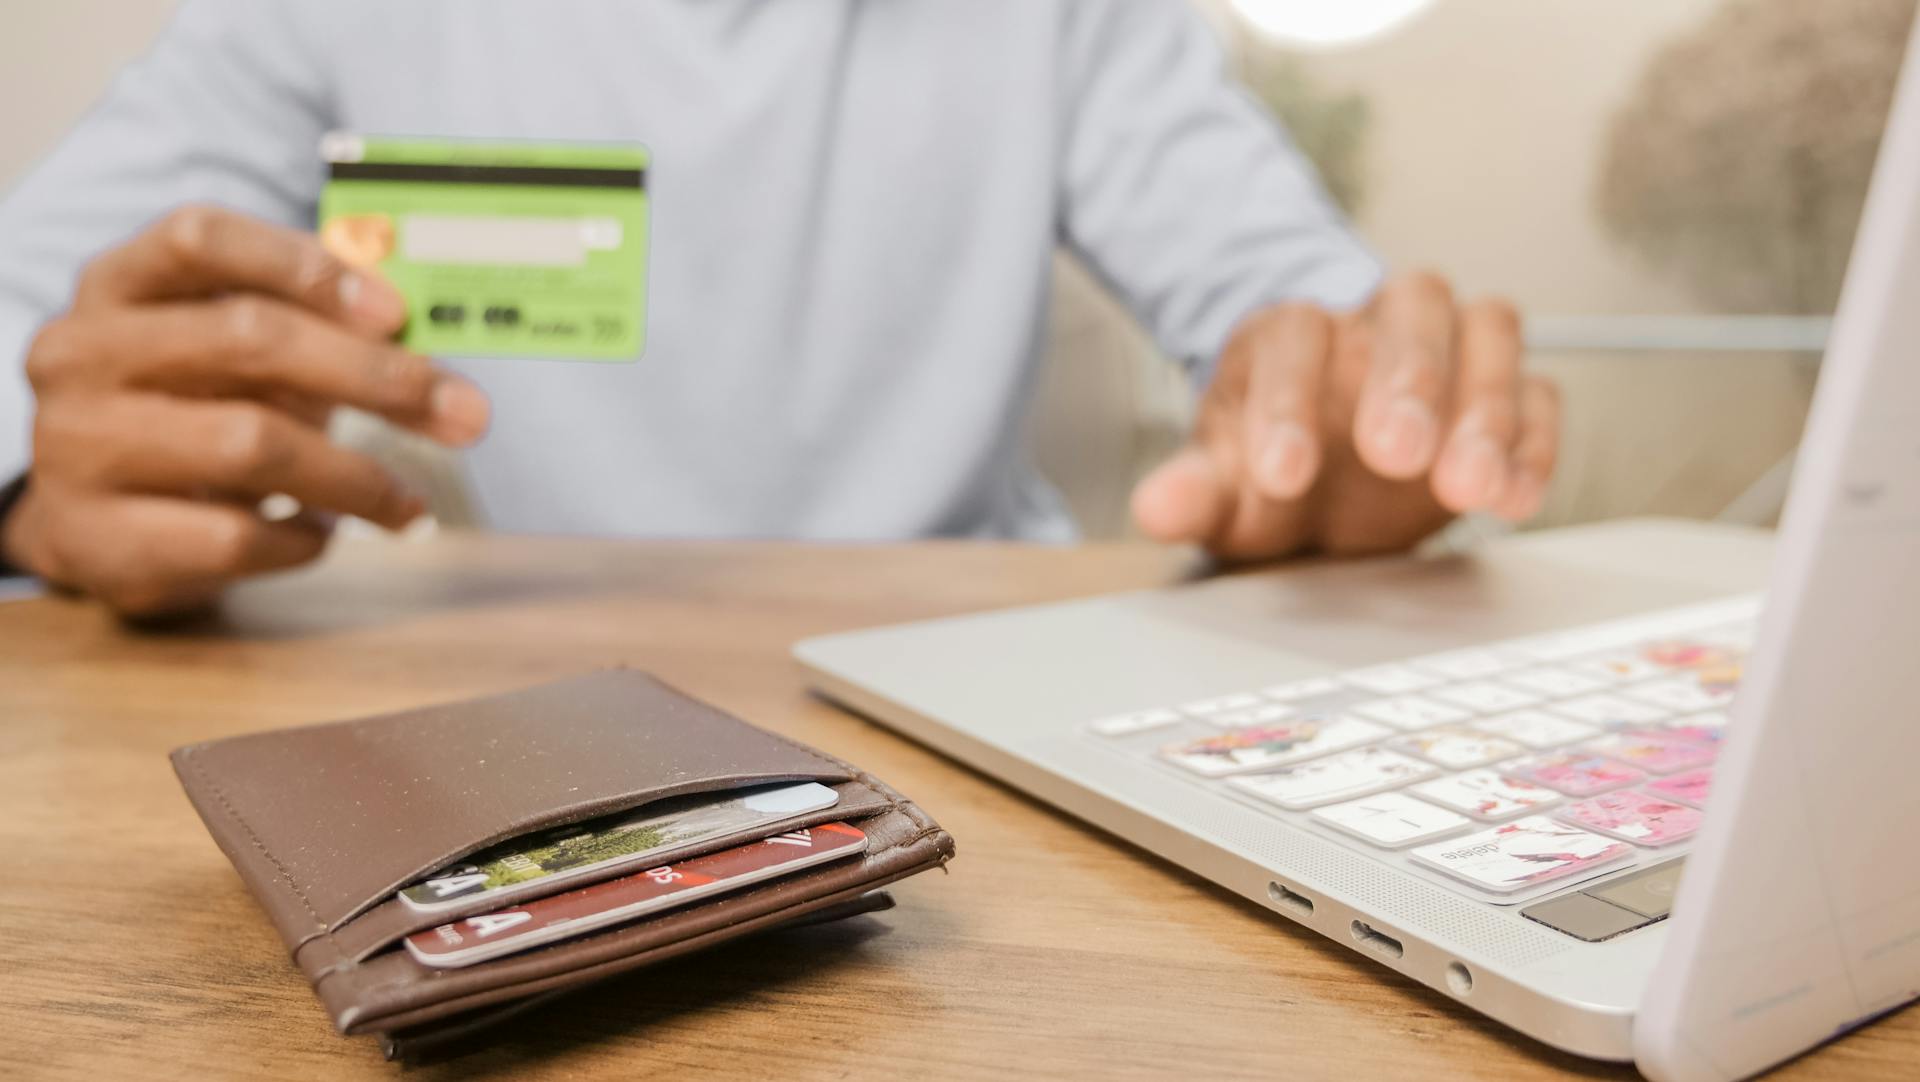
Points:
(1600, 163)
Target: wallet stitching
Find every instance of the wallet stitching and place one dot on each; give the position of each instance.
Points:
(233, 813)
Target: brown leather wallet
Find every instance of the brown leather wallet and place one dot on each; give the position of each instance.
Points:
(325, 823)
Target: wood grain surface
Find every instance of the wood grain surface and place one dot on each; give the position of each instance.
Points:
(129, 948)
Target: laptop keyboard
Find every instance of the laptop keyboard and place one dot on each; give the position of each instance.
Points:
(1506, 772)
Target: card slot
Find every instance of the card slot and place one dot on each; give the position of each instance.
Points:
(391, 920)
(328, 821)
(391, 991)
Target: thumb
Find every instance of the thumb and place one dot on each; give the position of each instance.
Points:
(1183, 500)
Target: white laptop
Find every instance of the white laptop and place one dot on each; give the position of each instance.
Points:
(1525, 778)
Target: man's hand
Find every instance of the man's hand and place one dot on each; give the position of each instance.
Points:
(194, 376)
(1359, 433)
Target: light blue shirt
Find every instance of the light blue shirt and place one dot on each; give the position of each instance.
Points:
(854, 207)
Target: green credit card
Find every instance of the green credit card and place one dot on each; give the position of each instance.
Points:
(502, 249)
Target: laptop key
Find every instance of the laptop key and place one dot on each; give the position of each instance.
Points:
(1682, 693)
(1313, 687)
(1391, 820)
(1484, 697)
(1537, 729)
(1575, 773)
(1219, 704)
(1138, 721)
(1485, 794)
(1411, 712)
(1334, 777)
(1610, 710)
(1656, 751)
(1390, 679)
(1521, 854)
(1456, 749)
(1689, 787)
(1648, 893)
(1263, 747)
(1634, 816)
(1554, 682)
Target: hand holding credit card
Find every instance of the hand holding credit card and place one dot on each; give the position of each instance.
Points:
(501, 248)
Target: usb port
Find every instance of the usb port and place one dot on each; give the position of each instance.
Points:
(1376, 941)
(1298, 903)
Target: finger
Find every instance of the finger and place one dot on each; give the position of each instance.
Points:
(204, 251)
(159, 445)
(1472, 472)
(256, 347)
(1535, 453)
(152, 555)
(1289, 355)
(1397, 423)
(1184, 501)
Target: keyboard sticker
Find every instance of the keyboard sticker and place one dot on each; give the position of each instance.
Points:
(1708, 728)
(1685, 654)
(1691, 787)
(1336, 777)
(1576, 773)
(1634, 817)
(1411, 712)
(1537, 728)
(1262, 747)
(1391, 820)
(1456, 749)
(1520, 854)
(1682, 693)
(1617, 668)
(1657, 751)
(1485, 794)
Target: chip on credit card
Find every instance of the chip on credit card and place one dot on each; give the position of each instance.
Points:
(502, 249)
(577, 912)
(648, 835)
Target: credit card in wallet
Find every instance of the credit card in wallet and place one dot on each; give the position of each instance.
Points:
(500, 248)
(540, 863)
(577, 912)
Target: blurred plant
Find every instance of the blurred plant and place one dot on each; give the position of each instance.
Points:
(1330, 129)
(1741, 161)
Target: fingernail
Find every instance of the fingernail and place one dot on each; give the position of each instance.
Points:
(460, 410)
(1286, 467)
(1476, 472)
(373, 300)
(1406, 434)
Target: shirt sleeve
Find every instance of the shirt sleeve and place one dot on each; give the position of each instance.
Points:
(228, 108)
(1182, 192)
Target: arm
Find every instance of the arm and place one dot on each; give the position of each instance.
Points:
(194, 366)
(226, 109)
(1343, 409)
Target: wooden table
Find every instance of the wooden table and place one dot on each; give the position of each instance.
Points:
(132, 950)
